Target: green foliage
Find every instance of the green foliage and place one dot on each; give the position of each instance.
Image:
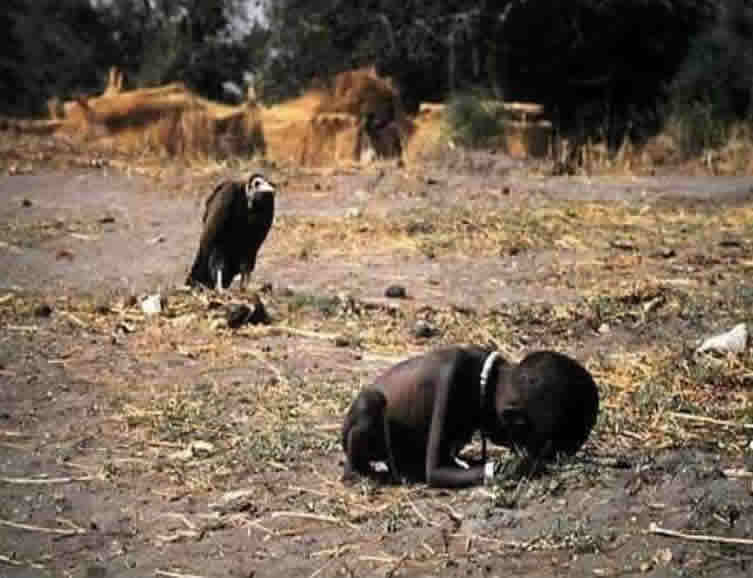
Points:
(51, 49)
(714, 86)
(695, 127)
(472, 123)
(718, 71)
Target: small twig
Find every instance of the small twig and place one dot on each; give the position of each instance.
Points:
(378, 559)
(159, 572)
(654, 529)
(305, 333)
(309, 491)
(43, 481)
(181, 517)
(505, 543)
(732, 473)
(423, 518)
(178, 535)
(317, 517)
(264, 529)
(710, 420)
(13, 562)
(316, 573)
(74, 319)
(42, 529)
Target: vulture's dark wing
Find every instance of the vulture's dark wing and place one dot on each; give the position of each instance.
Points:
(218, 211)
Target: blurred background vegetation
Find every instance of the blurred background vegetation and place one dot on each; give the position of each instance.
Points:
(604, 68)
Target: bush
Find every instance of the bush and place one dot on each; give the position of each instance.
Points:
(471, 123)
(695, 128)
(714, 87)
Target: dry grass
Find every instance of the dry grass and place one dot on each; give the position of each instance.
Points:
(323, 127)
(633, 233)
(167, 120)
(277, 421)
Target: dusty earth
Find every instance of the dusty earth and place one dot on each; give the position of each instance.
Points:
(171, 445)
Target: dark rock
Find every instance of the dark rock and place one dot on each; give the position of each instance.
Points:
(107, 219)
(343, 341)
(43, 310)
(730, 243)
(396, 292)
(26, 203)
(664, 253)
(240, 314)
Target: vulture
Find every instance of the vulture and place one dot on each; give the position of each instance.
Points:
(237, 218)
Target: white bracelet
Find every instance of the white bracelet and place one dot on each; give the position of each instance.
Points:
(489, 469)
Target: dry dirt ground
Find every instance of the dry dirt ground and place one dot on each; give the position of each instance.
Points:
(171, 445)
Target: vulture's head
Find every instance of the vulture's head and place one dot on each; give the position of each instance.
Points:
(259, 189)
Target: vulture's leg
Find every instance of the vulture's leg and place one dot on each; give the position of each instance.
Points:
(216, 267)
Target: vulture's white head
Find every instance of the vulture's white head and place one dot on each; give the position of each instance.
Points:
(258, 188)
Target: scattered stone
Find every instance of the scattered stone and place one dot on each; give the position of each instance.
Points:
(432, 181)
(361, 195)
(419, 227)
(317, 187)
(342, 341)
(623, 244)
(107, 219)
(196, 449)
(156, 240)
(423, 329)
(26, 203)
(267, 288)
(152, 304)
(732, 341)
(664, 253)
(396, 292)
(43, 310)
(505, 190)
(201, 449)
(235, 501)
(64, 254)
(604, 328)
(130, 301)
(353, 213)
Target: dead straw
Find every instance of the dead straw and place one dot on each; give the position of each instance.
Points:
(654, 529)
(42, 529)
